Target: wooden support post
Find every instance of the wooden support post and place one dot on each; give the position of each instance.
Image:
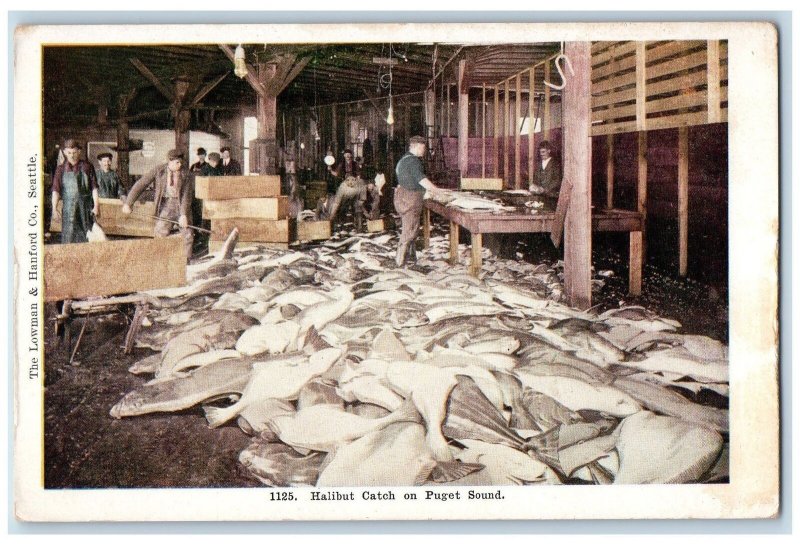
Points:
(531, 122)
(635, 263)
(476, 246)
(506, 129)
(641, 91)
(123, 141)
(714, 111)
(577, 109)
(483, 131)
(426, 228)
(610, 171)
(517, 117)
(546, 114)
(496, 134)
(406, 122)
(453, 243)
(683, 199)
(335, 129)
(430, 114)
(463, 118)
(447, 103)
(442, 125)
(641, 188)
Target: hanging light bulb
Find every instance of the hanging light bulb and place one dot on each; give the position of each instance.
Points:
(390, 117)
(239, 64)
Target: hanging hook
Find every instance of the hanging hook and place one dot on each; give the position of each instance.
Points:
(563, 57)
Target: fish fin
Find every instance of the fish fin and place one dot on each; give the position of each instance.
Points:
(544, 448)
(425, 472)
(314, 341)
(217, 416)
(600, 475)
(444, 472)
(407, 412)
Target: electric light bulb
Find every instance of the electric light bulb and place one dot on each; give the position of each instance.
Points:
(390, 117)
(239, 64)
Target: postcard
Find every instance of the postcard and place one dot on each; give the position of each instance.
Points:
(396, 272)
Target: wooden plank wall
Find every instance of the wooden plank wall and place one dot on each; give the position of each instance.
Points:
(657, 85)
(707, 206)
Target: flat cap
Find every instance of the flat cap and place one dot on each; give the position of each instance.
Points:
(201, 151)
(72, 143)
(104, 154)
(174, 154)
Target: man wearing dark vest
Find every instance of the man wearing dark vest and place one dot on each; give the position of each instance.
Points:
(174, 191)
(411, 186)
(546, 173)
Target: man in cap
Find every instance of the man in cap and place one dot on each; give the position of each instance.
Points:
(546, 173)
(174, 191)
(75, 184)
(107, 180)
(411, 186)
(212, 167)
(230, 167)
(197, 167)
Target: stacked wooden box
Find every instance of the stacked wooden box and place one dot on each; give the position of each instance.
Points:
(254, 204)
(139, 223)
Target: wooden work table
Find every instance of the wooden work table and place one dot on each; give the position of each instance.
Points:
(523, 221)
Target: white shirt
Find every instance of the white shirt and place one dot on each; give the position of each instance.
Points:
(545, 162)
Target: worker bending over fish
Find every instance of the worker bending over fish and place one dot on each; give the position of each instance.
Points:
(351, 190)
(411, 186)
(174, 191)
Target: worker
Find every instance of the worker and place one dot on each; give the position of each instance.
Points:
(212, 167)
(547, 173)
(174, 191)
(411, 186)
(107, 180)
(75, 183)
(347, 167)
(230, 167)
(197, 167)
(346, 190)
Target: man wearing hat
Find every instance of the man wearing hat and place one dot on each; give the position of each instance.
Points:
(212, 167)
(75, 184)
(230, 167)
(411, 186)
(197, 167)
(107, 180)
(174, 191)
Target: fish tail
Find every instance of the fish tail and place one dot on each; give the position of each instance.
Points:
(544, 447)
(217, 416)
(407, 412)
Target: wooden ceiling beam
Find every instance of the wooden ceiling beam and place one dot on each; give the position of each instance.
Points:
(208, 88)
(251, 71)
(163, 89)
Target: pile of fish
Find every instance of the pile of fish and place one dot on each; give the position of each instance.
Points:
(347, 372)
(469, 200)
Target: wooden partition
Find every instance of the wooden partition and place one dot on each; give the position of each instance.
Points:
(639, 86)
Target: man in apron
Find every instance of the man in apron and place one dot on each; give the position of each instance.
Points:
(75, 185)
(412, 183)
(174, 191)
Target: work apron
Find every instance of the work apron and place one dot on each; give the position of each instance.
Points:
(76, 208)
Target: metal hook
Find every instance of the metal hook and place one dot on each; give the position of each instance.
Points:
(561, 72)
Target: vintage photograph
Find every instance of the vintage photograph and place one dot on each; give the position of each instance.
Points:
(410, 267)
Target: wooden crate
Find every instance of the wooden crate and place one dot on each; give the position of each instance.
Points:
(251, 230)
(114, 222)
(77, 271)
(313, 230)
(216, 245)
(487, 184)
(375, 226)
(236, 187)
(271, 208)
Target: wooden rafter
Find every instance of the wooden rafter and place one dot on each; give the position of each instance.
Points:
(163, 89)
